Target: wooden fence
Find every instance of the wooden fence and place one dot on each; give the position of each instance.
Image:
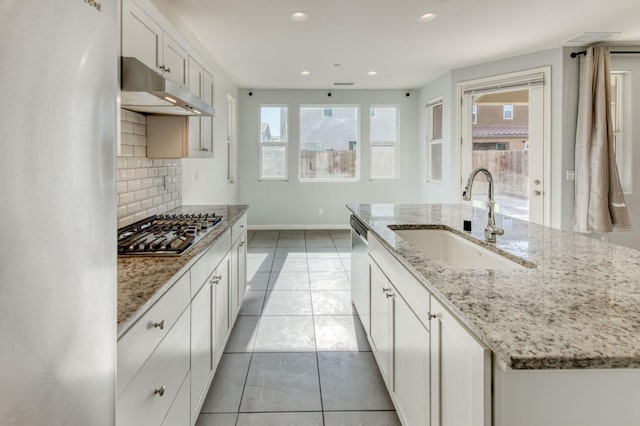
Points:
(327, 164)
(510, 170)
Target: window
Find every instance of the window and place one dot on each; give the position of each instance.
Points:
(383, 134)
(273, 142)
(434, 139)
(507, 112)
(619, 119)
(329, 143)
(474, 114)
(231, 130)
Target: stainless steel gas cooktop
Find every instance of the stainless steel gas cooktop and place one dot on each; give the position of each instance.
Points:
(165, 235)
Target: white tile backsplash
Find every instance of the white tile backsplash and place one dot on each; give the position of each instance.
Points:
(145, 186)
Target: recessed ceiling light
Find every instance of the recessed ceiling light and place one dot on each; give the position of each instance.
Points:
(426, 17)
(305, 72)
(372, 73)
(299, 16)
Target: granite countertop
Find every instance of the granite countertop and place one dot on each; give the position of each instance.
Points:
(143, 280)
(578, 308)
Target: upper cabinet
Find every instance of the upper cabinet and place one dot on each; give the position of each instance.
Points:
(149, 37)
(146, 40)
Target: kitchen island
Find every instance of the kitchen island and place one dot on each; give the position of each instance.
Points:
(573, 311)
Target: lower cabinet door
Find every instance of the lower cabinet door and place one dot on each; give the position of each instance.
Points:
(147, 399)
(222, 312)
(411, 365)
(460, 373)
(381, 321)
(201, 345)
(180, 411)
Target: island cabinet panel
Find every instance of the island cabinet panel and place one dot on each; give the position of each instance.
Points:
(585, 397)
(411, 365)
(180, 411)
(381, 322)
(460, 373)
(400, 344)
(238, 272)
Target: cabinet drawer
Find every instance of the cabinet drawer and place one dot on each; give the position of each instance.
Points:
(414, 293)
(179, 413)
(150, 394)
(239, 227)
(201, 270)
(140, 341)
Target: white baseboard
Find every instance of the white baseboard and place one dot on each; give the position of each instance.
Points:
(296, 227)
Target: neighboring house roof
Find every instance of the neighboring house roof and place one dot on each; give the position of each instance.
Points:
(494, 131)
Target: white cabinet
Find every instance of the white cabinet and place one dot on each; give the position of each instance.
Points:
(460, 373)
(144, 39)
(381, 321)
(400, 343)
(175, 61)
(148, 397)
(201, 346)
(238, 273)
(201, 129)
(410, 365)
(222, 321)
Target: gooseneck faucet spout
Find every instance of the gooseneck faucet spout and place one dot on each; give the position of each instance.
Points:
(491, 230)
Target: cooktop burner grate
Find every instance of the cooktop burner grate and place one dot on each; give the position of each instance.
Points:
(165, 235)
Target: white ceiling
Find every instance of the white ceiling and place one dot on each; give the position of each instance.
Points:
(259, 46)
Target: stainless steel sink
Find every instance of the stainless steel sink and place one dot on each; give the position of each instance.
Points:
(452, 251)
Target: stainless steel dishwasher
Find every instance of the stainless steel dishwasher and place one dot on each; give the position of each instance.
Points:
(360, 270)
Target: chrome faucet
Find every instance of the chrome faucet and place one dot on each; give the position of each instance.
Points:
(491, 230)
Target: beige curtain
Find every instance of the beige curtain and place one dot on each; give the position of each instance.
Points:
(599, 203)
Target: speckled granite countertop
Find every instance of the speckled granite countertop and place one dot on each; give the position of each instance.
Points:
(143, 280)
(579, 308)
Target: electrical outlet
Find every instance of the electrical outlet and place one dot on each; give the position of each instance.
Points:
(320, 211)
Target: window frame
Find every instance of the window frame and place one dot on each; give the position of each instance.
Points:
(431, 141)
(508, 108)
(262, 144)
(620, 121)
(356, 178)
(231, 134)
(395, 145)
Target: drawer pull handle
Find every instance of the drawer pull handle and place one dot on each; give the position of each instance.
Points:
(432, 316)
(159, 325)
(386, 289)
(215, 279)
(390, 295)
(241, 226)
(241, 243)
(159, 391)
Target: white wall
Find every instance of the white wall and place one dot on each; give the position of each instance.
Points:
(294, 203)
(563, 107)
(211, 187)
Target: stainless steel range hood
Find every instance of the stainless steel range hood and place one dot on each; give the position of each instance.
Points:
(144, 90)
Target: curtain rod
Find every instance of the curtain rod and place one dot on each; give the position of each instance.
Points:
(618, 52)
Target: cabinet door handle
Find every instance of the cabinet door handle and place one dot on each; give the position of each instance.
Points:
(159, 325)
(386, 289)
(160, 390)
(390, 295)
(241, 243)
(241, 226)
(215, 279)
(432, 316)
(168, 69)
